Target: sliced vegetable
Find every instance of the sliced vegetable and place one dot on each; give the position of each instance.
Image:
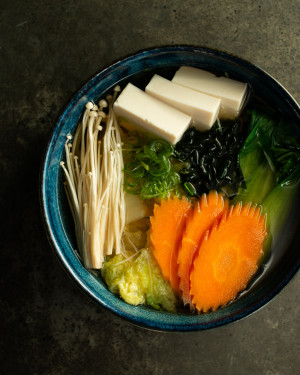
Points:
(227, 258)
(167, 225)
(206, 211)
(148, 170)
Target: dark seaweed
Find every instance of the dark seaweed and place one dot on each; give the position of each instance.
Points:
(213, 158)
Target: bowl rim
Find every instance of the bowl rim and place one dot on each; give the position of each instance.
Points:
(80, 275)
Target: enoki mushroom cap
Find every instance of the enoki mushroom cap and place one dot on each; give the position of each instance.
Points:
(103, 103)
(89, 105)
(93, 114)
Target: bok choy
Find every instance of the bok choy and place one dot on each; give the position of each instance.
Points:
(270, 163)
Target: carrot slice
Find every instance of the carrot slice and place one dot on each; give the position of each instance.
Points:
(167, 225)
(207, 210)
(228, 257)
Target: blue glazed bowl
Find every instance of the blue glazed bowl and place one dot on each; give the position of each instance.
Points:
(138, 69)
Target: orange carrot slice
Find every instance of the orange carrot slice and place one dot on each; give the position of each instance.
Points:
(207, 210)
(167, 225)
(227, 258)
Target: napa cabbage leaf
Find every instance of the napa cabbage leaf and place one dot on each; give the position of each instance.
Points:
(139, 281)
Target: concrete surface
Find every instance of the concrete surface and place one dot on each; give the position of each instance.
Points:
(47, 50)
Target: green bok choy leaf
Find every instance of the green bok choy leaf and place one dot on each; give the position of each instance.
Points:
(270, 163)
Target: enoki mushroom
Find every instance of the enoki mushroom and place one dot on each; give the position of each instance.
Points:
(94, 183)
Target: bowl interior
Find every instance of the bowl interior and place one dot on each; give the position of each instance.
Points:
(138, 69)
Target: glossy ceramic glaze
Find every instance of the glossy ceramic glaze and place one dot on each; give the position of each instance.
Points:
(138, 69)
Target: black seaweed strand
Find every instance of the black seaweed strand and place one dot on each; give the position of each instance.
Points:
(213, 158)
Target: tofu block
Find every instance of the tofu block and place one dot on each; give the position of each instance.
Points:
(232, 93)
(146, 113)
(136, 208)
(202, 108)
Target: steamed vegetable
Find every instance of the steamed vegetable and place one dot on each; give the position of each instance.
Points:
(258, 185)
(139, 281)
(270, 163)
(277, 205)
(167, 225)
(227, 258)
(276, 140)
(206, 211)
(94, 182)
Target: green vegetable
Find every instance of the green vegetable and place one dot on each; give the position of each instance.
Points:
(270, 163)
(148, 170)
(250, 161)
(139, 281)
(273, 140)
(259, 184)
(277, 205)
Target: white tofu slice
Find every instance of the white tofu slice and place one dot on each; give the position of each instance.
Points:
(232, 93)
(146, 113)
(136, 208)
(202, 108)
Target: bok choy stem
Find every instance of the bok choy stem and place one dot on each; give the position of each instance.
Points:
(277, 205)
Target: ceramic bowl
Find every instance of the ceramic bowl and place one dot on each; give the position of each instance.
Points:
(138, 69)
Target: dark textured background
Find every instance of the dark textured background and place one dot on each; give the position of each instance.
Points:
(48, 49)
